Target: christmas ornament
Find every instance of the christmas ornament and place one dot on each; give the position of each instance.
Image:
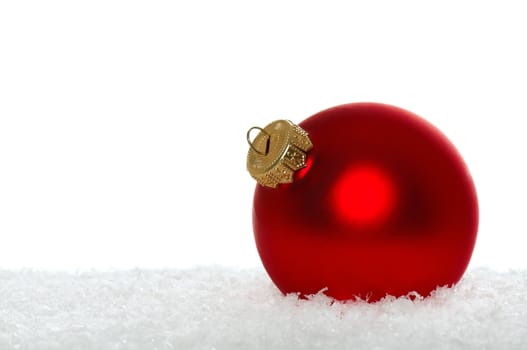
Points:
(362, 201)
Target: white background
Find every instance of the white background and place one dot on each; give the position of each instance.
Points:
(122, 124)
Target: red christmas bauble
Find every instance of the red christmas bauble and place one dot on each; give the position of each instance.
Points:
(385, 205)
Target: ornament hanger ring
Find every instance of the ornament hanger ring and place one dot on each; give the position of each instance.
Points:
(251, 143)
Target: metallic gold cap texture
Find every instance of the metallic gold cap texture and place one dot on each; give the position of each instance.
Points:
(277, 152)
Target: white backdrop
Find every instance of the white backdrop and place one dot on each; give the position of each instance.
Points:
(122, 123)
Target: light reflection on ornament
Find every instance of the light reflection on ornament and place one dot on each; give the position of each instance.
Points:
(364, 195)
(302, 172)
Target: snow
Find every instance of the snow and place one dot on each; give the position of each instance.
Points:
(215, 307)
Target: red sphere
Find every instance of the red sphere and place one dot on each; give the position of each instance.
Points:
(385, 205)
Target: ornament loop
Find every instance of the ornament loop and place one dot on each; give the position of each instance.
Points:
(251, 143)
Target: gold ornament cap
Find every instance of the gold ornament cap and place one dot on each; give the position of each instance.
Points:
(277, 152)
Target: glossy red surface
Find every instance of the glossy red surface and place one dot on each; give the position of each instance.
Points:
(386, 205)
